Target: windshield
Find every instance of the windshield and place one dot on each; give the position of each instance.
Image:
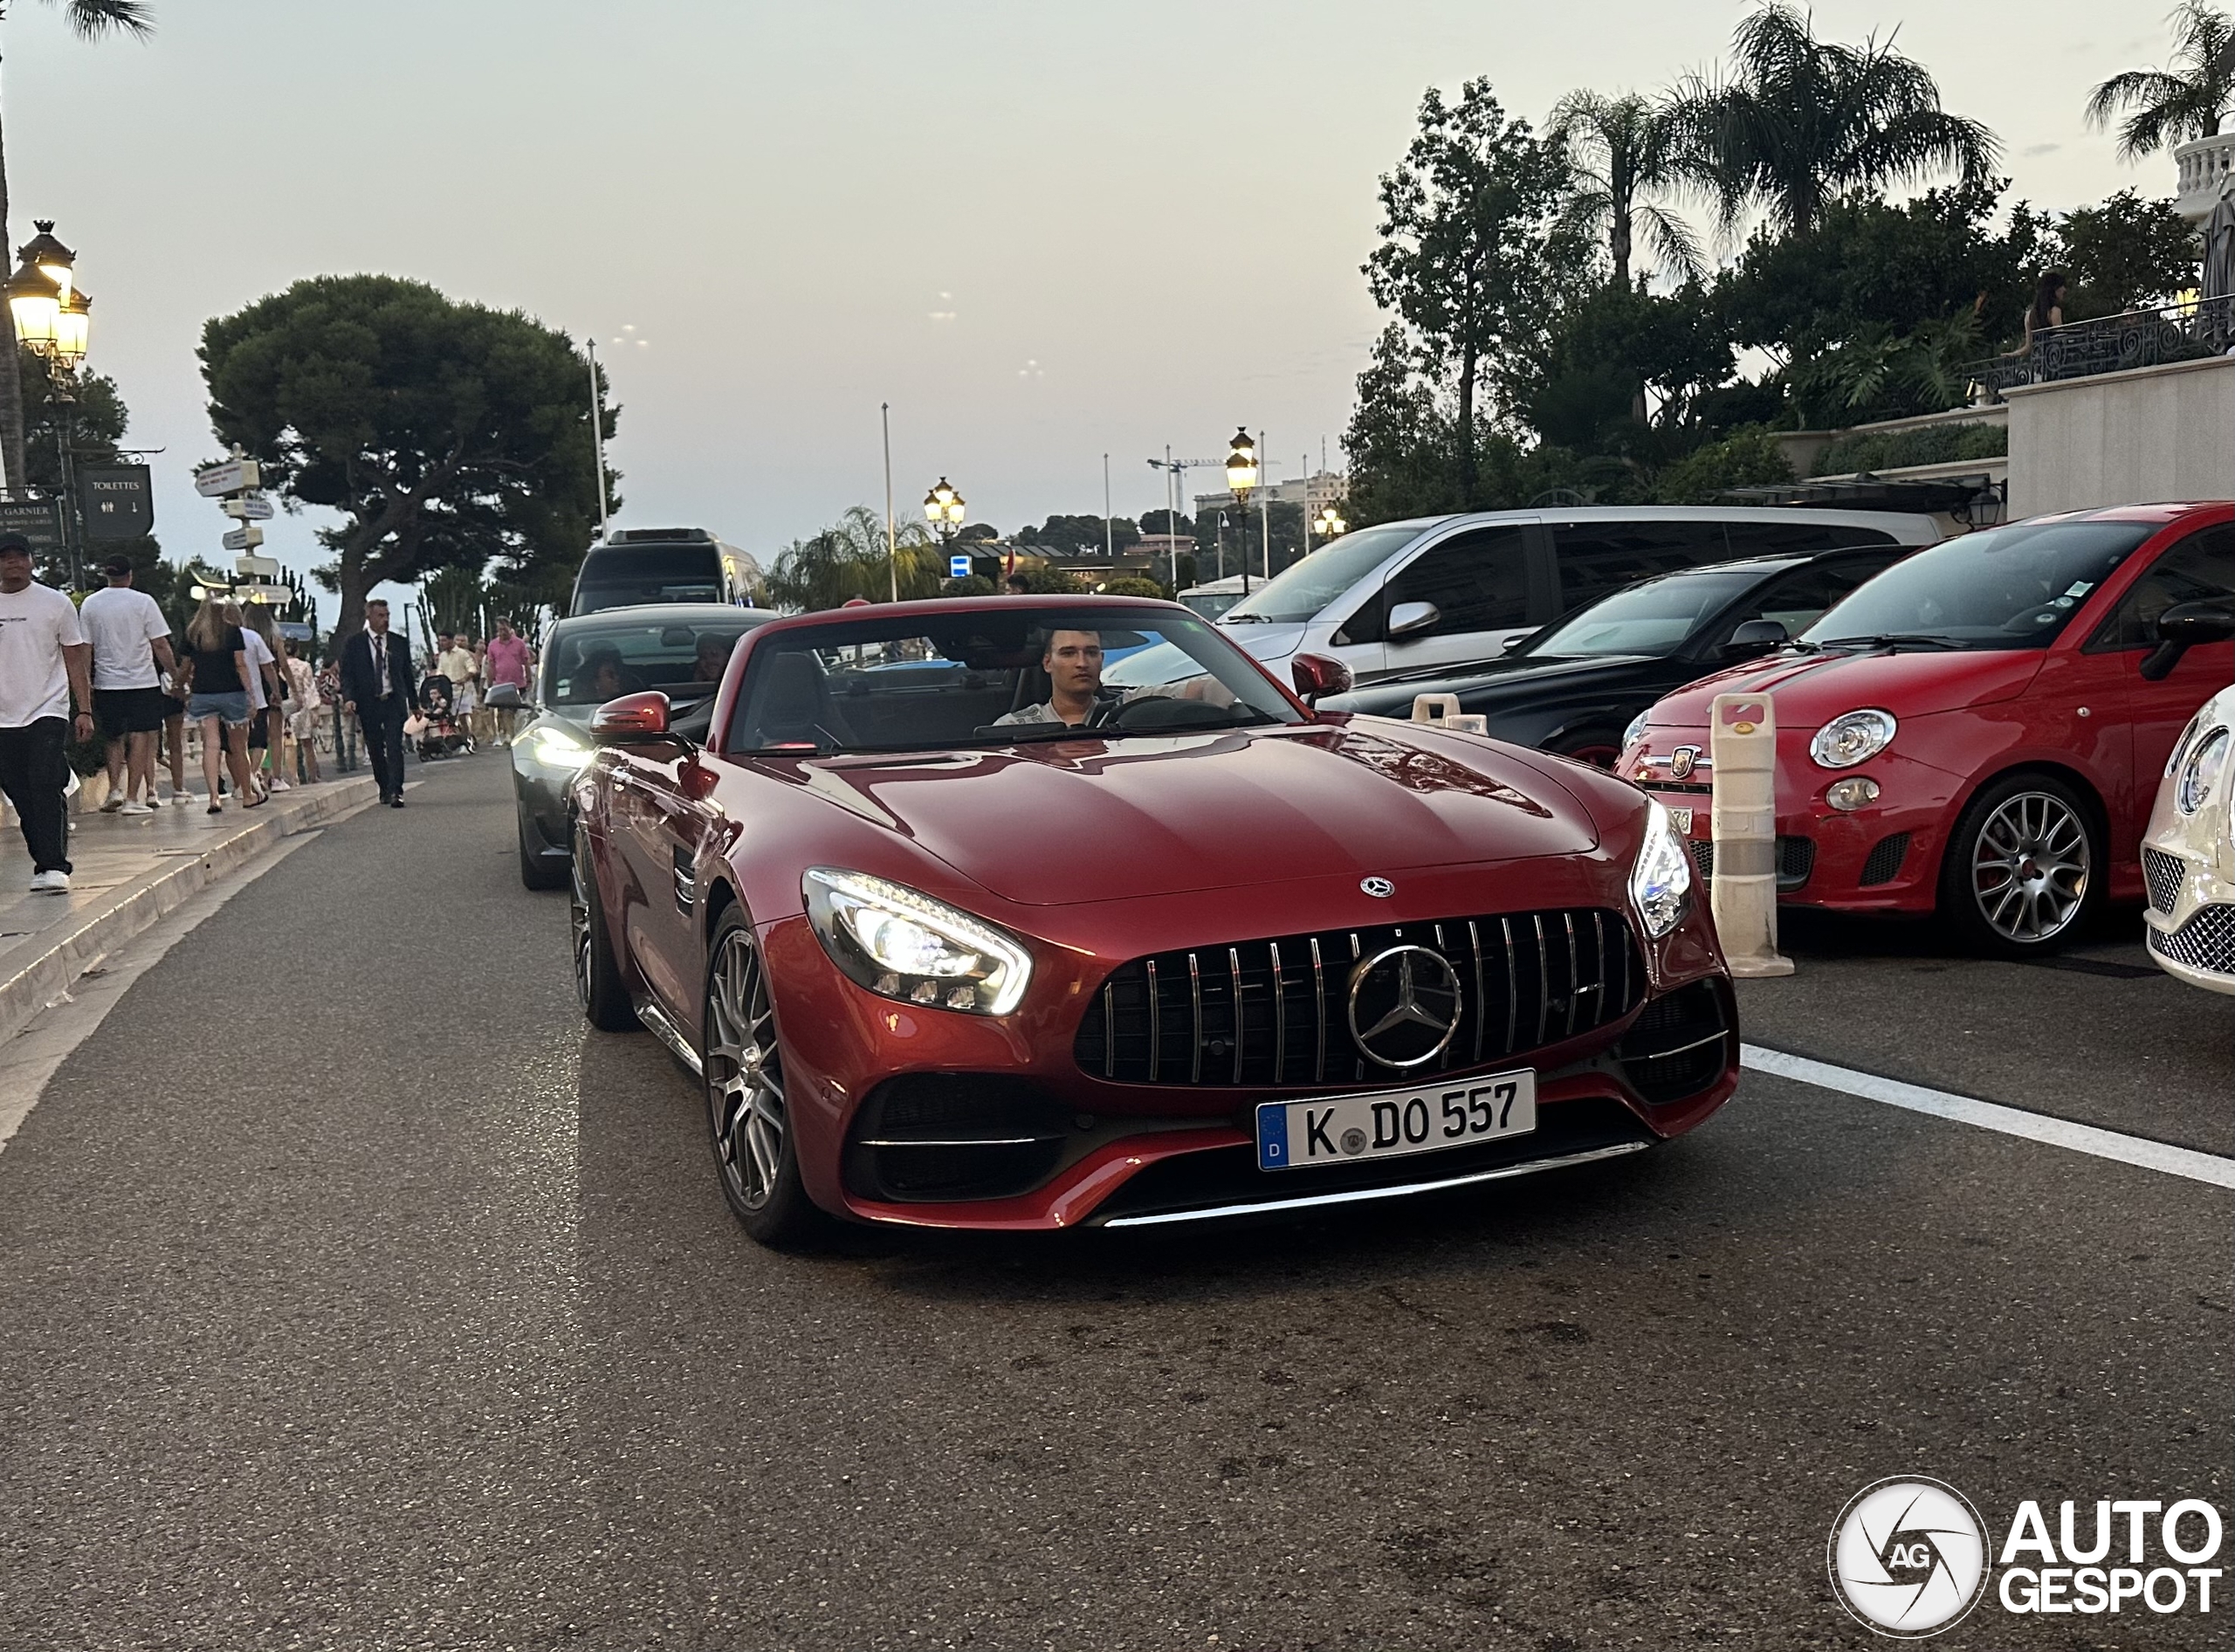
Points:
(1655, 617)
(591, 664)
(2012, 586)
(626, 576)
(1298, 592)
(985, 675)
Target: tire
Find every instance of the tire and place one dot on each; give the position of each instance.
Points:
(748, 1126)
(536, 873)
(1600, 747)
(2024, 870)
(599, 987)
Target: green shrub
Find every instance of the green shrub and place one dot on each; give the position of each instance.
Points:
(1129, 585)
(969, 585)
(1877, 451)
(1747, 457)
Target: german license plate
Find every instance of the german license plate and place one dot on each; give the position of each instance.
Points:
(1333, 1130)
(1682, 817)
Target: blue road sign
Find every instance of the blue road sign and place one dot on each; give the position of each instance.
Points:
(958, 568)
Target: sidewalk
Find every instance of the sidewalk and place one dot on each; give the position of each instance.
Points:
(130, 873)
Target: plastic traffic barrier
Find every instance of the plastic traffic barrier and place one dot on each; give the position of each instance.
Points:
(1743, 739)
(1442, 710)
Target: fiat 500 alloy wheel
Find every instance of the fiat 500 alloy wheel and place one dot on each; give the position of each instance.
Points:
(2030, 866)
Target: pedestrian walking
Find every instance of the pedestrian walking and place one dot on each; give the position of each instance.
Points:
(44, 665)
(305, 705)
(177, 684)
(131, 641)
(219, 702)
(265, 691)
(455, 661)
(379, 690)
(506, 672)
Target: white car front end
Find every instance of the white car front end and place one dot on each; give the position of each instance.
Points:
(2188, 854)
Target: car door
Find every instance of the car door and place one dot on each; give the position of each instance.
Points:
(2199, 567)
(1477, 580)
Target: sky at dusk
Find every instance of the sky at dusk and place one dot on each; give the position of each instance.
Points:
(1042, 232)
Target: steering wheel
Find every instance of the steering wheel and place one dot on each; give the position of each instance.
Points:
(1107, 704)
(1164, 711)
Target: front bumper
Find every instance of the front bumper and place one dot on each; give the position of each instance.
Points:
(2188, 925)
(1884, 857)
(896, 1108)
(540, 794)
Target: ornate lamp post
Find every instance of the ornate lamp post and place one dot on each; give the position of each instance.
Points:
(1241, 481)
(944, 509)
(1329, 524)
(53, 317)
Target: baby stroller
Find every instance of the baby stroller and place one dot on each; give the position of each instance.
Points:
(440, 732)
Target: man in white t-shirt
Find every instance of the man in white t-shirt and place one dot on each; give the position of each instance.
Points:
(130, 640)
(43, 666)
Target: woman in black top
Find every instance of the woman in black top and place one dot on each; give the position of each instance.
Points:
(219, 701)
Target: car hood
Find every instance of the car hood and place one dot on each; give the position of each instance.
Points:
(1488, 683)
(1268, 640)
(1065, 823)
(1810, 689)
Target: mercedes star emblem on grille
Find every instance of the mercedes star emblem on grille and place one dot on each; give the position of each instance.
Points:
(1404, 1007)
(1380, 888)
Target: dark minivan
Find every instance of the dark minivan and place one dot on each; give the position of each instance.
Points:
(639, 565)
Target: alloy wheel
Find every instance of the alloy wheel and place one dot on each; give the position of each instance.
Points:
(578, 919)
(2029, 865)
(745, 1078)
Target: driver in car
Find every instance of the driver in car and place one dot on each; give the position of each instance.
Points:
(1073, 662)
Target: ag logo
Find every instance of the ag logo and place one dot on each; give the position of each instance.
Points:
(1908, 1557)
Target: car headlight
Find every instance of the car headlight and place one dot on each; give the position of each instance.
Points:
(1854, 738)
(1635, 732)
(2181, 746)
(902, 943)
(2202, 772)
(1661, 883)
(557, 748)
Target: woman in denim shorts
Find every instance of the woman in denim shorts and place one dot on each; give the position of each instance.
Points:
(219, 701)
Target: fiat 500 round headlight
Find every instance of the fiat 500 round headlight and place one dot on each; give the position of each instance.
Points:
(2202, 772)
(1635, 732)
(1661, 883)
(901, 943)
(1854, 738)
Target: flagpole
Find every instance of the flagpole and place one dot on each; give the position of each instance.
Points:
(892, 531)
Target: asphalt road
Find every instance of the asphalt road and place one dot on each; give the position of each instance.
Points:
(352, 1294)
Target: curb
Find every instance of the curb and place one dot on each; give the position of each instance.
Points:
(100, 929)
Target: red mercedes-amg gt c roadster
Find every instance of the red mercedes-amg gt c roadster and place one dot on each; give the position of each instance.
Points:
(956, 936)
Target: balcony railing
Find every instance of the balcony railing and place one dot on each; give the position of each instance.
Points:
(2140, 337)
(2207, 171)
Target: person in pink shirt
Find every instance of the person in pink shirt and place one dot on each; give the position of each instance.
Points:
(505, 672)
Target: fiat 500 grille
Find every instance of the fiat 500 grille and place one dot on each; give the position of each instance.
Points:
(2206, 942)
(1277, 1012)
(2163, 872)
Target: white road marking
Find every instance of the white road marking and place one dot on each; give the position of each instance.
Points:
(2011, 1121)
(44, 1042)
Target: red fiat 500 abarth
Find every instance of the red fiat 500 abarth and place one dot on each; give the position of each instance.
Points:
(958, 937)
(1980, 730)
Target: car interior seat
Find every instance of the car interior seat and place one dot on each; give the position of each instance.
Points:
(796, 707)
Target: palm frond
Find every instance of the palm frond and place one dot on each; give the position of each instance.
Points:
(1672, 242)
(91, 19)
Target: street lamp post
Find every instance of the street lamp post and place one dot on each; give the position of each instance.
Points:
(944, 510)
(1329, 523)
(1241, 480)
(54, 316)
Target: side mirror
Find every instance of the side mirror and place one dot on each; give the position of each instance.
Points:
(1756, 636)
(1318, 674)
(2182, 627)
(630, 717)
(1411, 619)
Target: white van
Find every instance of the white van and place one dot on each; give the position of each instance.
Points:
(1452, 590)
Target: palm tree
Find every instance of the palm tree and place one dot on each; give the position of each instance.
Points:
(91, 20)
(2173, 105)
(1621, 152)
(1801, 121)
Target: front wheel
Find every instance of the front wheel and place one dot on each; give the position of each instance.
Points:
(2022, 869)
(756, 1153)
(1600, 747)
(598, 984)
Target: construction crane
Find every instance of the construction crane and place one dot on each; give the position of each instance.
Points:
(1175, 472)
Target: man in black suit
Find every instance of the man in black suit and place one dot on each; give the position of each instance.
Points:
(379, 689)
